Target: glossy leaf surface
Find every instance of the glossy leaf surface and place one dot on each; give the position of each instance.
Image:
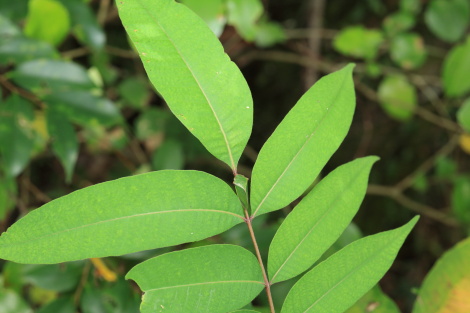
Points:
(446, 288)
(215, 278)
(126, 215)
(300, 146)
(318, 220)
(337, 283)
(203, 88)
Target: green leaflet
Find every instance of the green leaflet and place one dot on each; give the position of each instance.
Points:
(16, 135)
(374, 301)
(215, 278)
(47, 20)
(126, 215)
(203, 88)
(304, 141)
(318, 220)
(455, 70)
(337, 283)
(64, 141)
(448, 19)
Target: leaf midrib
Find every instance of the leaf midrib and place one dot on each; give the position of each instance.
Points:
(300, 150)
(229, 150)
(207, 283)
(29, 241)
(330, 207)
(353, 271)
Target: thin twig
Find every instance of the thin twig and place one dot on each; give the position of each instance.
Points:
(267, 284)
(81, 285)
(22, 92)
(428, 164)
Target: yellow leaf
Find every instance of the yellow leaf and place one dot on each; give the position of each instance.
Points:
(464, 142)
(459, 298)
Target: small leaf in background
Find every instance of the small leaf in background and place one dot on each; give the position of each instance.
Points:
(318, 220)
(126, 215)
(410, 6)
(463, 115)
(337, 283)
(220, 110)
(461, 199)
(243, 14)
(398, 22)
(464, 142)
(11, 302)
(8, 192)
(408, 51)
(268, 34)
(446, 288)
(84, 108)
(57, 75)
(448, 19)
(64, 141)
(22, 49)
(54, 277)
(47, 20)
(215, 278)
(420, 182)
(135, 92)
(304, 141)
(211, 11)
(16, 134)
(8, 29)
(455, 70)
(359, 42)
(241, 187)
(85, 24)
(374, 301)
(169, 156)
(151, 122)
(397, 97)
(60, 305)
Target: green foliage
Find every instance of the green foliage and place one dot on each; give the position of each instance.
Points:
(359, 42)
(455, 70)
(215, 278)
(209, 95)
(308, 135)
(445, 288)
(335, 284)
(397, 97)
(448, 19)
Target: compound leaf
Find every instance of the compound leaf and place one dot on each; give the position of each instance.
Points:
(126, 215)
(203, 88)
(304, 141)
(318, 220)
(337, 283)
(215, 278)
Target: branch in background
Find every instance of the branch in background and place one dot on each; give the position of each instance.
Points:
(22, 92)
(397, 195)
(314, 40)
(428, 164)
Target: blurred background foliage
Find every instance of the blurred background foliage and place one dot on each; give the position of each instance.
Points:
(77, 109)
